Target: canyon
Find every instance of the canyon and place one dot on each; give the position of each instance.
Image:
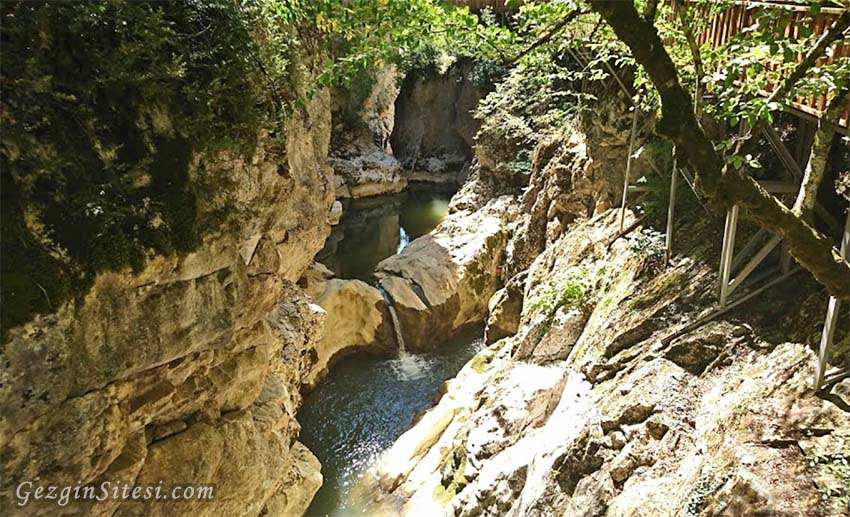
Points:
(384, 300)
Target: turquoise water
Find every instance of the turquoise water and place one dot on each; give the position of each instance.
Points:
(364, 406)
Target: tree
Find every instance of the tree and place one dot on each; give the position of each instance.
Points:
(720, 181)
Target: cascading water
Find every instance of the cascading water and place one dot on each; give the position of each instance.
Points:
(403, 239)
(407, 366)
(369, 401)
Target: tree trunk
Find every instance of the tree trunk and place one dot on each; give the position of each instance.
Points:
(816, 166)
(722, 185)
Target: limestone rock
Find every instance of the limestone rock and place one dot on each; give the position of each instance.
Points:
(366, 175)
(697, 350)
(643, 435)
(434, 130)
(355, 319)
(335, 214)
(166, 373)
(452, 272)
(361, 154)
(504, 310)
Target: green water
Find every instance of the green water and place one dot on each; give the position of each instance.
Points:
(364, 406)
(372, 229)
(367, 402)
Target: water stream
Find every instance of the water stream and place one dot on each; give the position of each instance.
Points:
(375, 228)
(367, 402)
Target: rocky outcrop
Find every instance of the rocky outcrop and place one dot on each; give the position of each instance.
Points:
(357, 318)
(586, 411)
(187, 371)
(442, 281)
(435, 129)
(361, 154)
(576, 173)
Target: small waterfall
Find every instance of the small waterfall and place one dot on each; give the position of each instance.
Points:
(399, 337)
(407, 366)
(404, 240)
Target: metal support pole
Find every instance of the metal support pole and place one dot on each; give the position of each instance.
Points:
(628, 167)
(748, 248)
(753, 263)
(785, 259)
(671, 209)
(727, 252)
(831, 316)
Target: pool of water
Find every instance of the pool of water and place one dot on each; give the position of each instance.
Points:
(375, 228)
(366, 403)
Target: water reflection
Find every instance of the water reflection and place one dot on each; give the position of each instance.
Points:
(375, 228)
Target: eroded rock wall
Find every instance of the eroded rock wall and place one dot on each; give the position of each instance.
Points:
(435, 130)
(586, 410)
(594, 399)
(188, 371)
(363, 122)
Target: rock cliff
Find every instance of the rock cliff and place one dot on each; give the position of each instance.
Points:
(585, 410)
(595, 398)
(187, 371)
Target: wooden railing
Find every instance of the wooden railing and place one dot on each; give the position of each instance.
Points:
(741, 14)
(725, 25)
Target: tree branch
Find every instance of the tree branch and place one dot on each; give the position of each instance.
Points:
(687, 29)
(649, 10)
(546, 37)
(835, 32)
(816, 166)
(722, 185)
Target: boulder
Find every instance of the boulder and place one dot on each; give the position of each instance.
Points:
(505, 308)
(335, 214)
(356, 316)
(442, 281)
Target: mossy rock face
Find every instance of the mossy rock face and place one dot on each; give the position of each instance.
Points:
(104, 105)
(87, 228)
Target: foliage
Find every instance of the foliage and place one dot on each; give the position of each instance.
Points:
(103, 104)
(539, 93)
(832, 473)
(562, 292)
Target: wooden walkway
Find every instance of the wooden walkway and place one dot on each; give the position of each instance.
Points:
(795, 17)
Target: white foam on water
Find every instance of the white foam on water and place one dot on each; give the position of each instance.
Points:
(409, 367)
(404, 240)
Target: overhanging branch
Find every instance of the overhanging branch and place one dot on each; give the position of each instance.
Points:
(728, 187)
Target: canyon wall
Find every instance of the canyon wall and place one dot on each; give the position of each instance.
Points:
(594, 398)
(187, 371)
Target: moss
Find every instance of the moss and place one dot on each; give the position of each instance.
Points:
(660, 287)
(104, 107)
(832, 474)
(33, 280)
(452, 484)
(707, 484)
(453, 470)
(480, 362)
